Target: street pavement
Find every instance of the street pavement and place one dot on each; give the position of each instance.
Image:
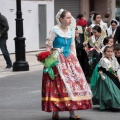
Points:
(20, 95)
(20, 99)
(30, 58)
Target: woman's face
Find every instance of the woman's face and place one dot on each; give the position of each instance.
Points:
(114, 26)
(109, 53)
(66, 21)
(98, 19)
(96, 33)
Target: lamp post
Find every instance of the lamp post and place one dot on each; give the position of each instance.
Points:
(20, 64)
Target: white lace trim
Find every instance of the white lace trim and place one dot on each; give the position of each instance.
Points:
(105, 63)
(57, 31)
(61, 33)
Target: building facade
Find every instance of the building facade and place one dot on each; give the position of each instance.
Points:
(39, 17)
(85, 6)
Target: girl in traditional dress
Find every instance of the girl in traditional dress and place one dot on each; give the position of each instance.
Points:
(108, 41)
(69, 91)
(106, 91)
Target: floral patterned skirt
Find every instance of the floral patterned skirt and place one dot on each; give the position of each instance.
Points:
(55, 95)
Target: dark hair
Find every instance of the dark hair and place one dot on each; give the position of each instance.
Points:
(95, 14)
(92, 12)
(107, 15)
(107, 48)
(117, 46)
(64, 13)
(97, 28)
(113, 21)
(80, 16)
(76, 28)
(106, 40)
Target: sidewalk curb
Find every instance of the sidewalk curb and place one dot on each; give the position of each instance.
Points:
(34, 65)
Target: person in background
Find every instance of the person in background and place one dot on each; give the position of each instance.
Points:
(4, 27)
(114, 30)
(106, 19)
(107, 41)
(81, 55)
(96, 20)
(106, 90)
(81, 24)
(95, 43)
(69, 91)
(89, 22)
(117, 52)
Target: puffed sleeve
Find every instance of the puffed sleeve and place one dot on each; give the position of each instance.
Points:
(105, 63)
(50, 38)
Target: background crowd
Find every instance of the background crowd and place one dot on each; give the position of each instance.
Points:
(99, 53)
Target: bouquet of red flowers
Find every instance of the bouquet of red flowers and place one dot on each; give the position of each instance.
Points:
(49, 61)
(42, 56)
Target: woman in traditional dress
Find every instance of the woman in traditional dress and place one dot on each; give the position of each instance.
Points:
(96, 20)
(69, 91)
(95, 43)
(114, 30)
(106, 90)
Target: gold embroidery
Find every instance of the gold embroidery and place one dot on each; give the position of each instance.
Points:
(65, 98)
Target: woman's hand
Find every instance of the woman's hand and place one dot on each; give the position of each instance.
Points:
(102, 76)
(97, 49)
(85, 43)
(48, 48)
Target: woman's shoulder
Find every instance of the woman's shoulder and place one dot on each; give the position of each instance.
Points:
(55, 28)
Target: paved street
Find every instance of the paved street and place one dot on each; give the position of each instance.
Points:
(20, 99)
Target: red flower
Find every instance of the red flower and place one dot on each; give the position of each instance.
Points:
(43, 55)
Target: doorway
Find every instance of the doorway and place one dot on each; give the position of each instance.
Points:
(92, 5)
(42, 26)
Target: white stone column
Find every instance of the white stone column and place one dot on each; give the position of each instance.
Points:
(113, 6)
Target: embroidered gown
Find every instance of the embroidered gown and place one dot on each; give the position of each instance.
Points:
(70, 90)
(106, 92)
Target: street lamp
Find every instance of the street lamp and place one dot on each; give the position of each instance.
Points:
(20, 64)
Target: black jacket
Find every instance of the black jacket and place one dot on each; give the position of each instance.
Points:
(4, 27)
(117, 35)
